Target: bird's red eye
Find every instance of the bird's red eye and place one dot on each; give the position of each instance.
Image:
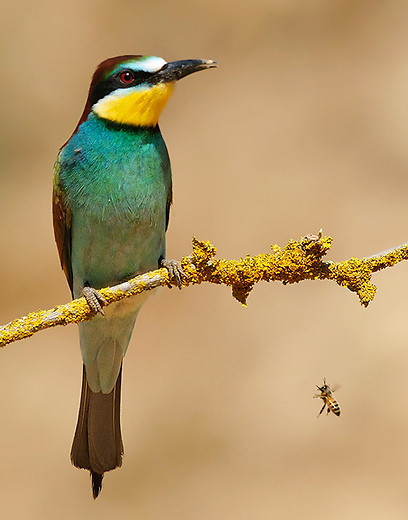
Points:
(126, 77)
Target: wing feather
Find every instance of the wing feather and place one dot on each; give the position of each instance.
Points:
(62, 226)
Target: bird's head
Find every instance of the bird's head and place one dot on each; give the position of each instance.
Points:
(133, 90)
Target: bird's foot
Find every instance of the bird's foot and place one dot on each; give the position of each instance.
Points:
(94, 299)
(175, 270)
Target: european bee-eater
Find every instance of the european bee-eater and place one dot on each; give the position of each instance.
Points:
(112, 197)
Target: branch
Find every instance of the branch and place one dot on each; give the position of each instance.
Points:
(297, 261)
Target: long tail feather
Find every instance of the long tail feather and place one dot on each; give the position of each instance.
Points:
(97, 444)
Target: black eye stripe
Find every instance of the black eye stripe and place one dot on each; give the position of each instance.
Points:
(114, 82)
(138, 75)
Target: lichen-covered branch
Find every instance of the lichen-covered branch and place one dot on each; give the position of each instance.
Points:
(297, 261)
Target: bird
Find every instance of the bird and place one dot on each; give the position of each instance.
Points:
(112, 192)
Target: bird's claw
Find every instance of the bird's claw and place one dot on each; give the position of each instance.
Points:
(94, 299)
(175, 271)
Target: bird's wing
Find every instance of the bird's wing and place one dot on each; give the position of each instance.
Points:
(62, 225)
(168, 205)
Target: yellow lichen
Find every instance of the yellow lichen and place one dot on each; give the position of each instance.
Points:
(297, 261)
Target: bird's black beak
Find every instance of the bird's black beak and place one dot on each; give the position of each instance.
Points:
(175, 70)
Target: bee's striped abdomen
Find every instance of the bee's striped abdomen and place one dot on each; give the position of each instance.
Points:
(333, 406)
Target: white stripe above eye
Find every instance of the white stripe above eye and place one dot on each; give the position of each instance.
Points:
(147, 64)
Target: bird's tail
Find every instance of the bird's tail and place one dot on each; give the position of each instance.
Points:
(97, 444)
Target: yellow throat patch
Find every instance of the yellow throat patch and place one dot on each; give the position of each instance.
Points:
(137, 107)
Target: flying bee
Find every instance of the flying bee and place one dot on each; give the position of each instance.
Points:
(326, 395)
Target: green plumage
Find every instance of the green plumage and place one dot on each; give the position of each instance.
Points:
(116, 182)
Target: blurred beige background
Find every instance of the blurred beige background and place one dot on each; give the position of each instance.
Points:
(304, 125)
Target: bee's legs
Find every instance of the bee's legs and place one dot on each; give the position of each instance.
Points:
(321, 409)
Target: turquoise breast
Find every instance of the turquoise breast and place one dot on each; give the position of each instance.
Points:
(116, 181)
